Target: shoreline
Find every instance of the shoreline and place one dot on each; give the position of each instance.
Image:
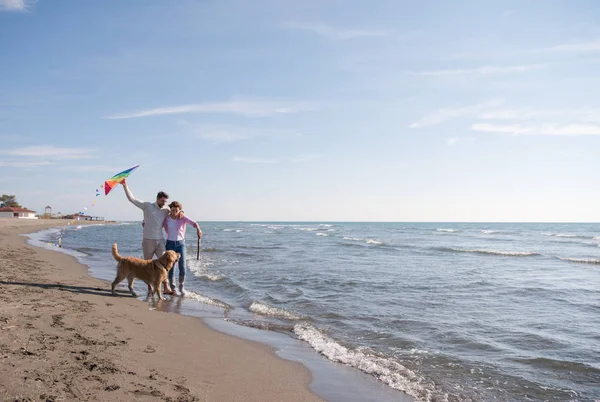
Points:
(66, 337)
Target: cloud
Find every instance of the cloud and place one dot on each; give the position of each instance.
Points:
(592, 46)
(587, 115)
(15, 5)
(455, 112)
(334, 32)
(222, 134)
(251, 108)
(566, 130)
(24, 165)
(305, 158)
(94, 168)
(455, 140)
(486, 70)
(244, 159)
(232, 133)
(51, 152)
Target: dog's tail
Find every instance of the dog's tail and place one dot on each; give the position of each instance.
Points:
(115, 253)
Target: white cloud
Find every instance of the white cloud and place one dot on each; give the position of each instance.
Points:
(15, 5)
(455, 112)
(51, 152)
(485, 70)
(455, 140)
(245, 159)
(94, 168)
(221, 134)
(305, 158)
(232, 133)
(589, 115)
(334, 32)
(24, 165)
(592, 46)
(248, 107)
(567, 130)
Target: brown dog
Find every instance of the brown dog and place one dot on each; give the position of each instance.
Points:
(153, 272)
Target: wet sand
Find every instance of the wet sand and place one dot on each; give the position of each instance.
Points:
(64, 337)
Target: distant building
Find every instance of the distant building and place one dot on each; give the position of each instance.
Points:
(82, 217)
(14, 212)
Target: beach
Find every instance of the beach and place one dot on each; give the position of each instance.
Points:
(64, 337)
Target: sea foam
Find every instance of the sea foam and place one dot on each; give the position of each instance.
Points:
(270, 311)
(386, 370)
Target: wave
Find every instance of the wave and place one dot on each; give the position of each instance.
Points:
(88, 250)
(270, 311)
(491, 252)
(352, 238)
(238, 230)
(308, 229)
(568, 236)
(264, 325)
(373, 241)
(190, 294)
(322, 234)
(228, 230)
(204, 273)
(561, 365)
(325, 225)
(386, 370)
(490, 231)
(447, 230)
(582, 260)
(208, 250)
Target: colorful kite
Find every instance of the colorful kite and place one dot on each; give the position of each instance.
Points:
(118, 178)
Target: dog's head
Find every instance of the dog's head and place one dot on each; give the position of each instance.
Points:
(169, 258)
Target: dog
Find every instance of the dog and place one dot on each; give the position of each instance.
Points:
(153, 272)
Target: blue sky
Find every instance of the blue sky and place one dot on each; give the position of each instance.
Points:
(313, 110)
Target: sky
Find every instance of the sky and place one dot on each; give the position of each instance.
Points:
(319, 110)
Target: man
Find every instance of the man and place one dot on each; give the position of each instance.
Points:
(153, 242)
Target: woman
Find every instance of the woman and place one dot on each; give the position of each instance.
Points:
(175, 229)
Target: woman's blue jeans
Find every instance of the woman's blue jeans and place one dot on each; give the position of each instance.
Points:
(178, 247)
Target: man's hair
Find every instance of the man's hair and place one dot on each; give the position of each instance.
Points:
(175, 204)
(162, 194)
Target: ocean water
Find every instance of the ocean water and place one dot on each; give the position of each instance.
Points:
(442, 311)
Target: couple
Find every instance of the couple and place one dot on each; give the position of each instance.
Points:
(156, 217)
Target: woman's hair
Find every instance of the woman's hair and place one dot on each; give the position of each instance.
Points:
(175, 204)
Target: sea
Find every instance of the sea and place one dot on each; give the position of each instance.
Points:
(439, 311)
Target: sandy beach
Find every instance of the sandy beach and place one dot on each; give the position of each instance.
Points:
(64, 337)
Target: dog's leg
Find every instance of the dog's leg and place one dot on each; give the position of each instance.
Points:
(130, 280)
(158, 291)
(150, 290)
(118, 279)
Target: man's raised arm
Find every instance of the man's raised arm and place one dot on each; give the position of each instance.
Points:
(131, 198)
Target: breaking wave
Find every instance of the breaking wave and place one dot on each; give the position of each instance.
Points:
(567, 236)
(190, 294)
(386, 370)
(582, 260)
(270, 311)
(264, 325)
(491, 252)
(373, 241)
(447, 230)
(490, 231)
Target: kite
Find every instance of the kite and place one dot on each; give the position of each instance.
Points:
(116, 179)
